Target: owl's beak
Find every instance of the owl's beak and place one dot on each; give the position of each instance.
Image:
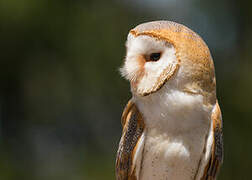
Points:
(141, 61)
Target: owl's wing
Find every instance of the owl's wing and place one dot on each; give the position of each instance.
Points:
(216, 158)
(131, 140)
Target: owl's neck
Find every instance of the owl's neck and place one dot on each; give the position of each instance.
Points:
(174, 111)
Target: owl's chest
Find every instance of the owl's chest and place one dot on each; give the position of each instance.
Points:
(177, 125)
(166, 157)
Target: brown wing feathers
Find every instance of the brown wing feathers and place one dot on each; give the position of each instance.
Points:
(133, 125)
(217, 149)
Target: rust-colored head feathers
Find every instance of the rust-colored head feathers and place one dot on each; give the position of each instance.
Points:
(172, 126)
(190, 52)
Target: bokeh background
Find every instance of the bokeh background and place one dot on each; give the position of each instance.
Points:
(61, 95)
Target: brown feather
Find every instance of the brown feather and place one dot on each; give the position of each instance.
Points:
(216, 158)
(191, 52)
(133, 126)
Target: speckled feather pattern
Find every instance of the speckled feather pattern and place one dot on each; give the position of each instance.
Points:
(133, 126)
(191, 51)
(172, 127)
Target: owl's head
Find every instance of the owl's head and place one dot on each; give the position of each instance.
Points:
(160, 51)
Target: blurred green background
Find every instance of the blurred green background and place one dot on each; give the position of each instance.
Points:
(61, 95)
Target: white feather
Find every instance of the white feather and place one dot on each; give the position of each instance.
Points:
(138, 155)
(176, 126)
(176, 122)
(145, 45)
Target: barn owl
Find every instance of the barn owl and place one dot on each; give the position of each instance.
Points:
(172, 125)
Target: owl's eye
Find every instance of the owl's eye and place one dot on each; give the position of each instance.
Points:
(155, 56)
